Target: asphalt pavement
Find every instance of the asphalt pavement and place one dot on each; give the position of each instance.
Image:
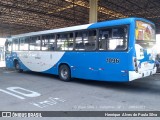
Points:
(30, 91)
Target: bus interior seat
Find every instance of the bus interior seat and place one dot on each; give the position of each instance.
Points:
(120, 47)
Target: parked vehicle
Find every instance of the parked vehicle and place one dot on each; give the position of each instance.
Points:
(117, 50)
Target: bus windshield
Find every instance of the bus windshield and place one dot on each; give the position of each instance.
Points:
(145, 34)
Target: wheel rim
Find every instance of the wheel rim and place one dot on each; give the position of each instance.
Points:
(64, 73)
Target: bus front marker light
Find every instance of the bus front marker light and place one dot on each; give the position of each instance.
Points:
(135, 59)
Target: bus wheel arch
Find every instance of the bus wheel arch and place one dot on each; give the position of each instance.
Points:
(64, 72)
(17, 65)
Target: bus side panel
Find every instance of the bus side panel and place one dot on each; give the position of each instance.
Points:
(38, 61)
(94, 65)
(82, 64)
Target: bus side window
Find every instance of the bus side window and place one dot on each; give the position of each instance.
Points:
(35, 43)
(90, 43)
(85, 40)
(65, 41)
(70, 41)
(104, 36)
(15, 44)
(119, 39)
(113, 38)
(48, 42)
(79, 42)
(61, 41)
(24, 44)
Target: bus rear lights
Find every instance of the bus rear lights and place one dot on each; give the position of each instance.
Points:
(135, 59)
(135, 64)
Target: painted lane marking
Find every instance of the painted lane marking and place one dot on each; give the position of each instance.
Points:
(48, 102)
(15, 90)
(9, 93)
(9, 71)
(31, 93)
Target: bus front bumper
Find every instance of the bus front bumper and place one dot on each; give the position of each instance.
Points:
(136, 75)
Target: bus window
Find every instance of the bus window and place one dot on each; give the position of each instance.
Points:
(62, 41)
(35, 43)
(70, 41)
(113, 38)
(48, 42)
(104, 36)
(24, 44)
(79, 40)
(85, 40)
(90, 44)
(119, 39)
(15, 44)
(65, 41)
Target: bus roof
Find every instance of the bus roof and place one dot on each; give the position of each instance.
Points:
(82, 27)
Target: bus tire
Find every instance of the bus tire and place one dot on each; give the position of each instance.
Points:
(17, 67)
(65, 73)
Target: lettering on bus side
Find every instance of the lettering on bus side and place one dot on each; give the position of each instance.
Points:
(112, 60)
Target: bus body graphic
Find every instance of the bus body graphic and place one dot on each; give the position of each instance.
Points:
(117, 50)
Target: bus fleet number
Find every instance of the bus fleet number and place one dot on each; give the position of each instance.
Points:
(113, 60)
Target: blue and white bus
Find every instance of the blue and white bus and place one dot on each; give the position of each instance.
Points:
(117, 50)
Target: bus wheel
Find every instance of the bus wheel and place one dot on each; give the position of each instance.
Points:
(64, 73)
(17, 67)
